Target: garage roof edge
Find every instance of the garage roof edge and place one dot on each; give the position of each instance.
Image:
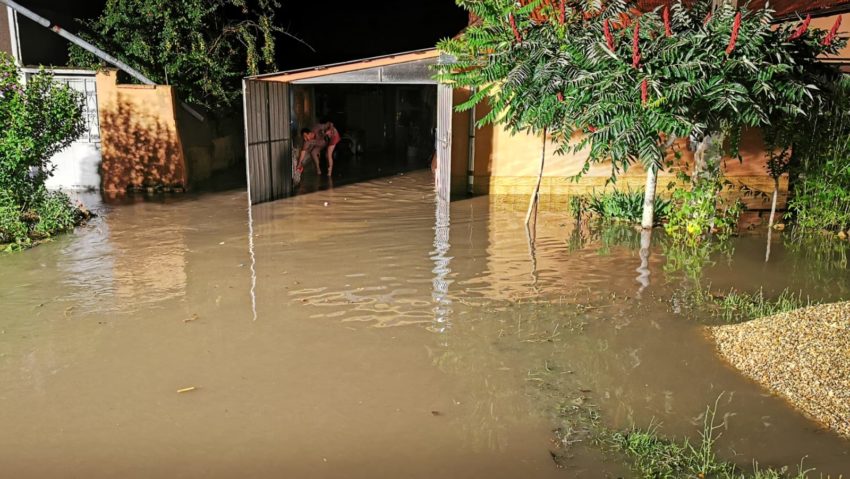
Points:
(349, 66)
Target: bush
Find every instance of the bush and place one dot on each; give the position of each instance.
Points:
(55, 214)
(12, 229)
(820, 190)
(702, 210)
(39, 119)
(822, 195)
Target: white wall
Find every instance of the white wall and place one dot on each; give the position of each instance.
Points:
(77, 167)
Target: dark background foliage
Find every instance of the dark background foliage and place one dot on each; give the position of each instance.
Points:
(337, 30)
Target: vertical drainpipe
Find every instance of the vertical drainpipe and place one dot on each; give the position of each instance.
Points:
(470, 160)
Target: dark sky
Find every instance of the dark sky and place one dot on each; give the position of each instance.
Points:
(338, 30)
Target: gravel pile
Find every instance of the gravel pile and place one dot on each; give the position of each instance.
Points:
(802, 355)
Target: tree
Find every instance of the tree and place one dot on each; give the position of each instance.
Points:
(626, 84)
(201, 47)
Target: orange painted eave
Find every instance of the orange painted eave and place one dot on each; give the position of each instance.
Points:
(350, 67)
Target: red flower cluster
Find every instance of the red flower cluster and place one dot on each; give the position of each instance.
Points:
(644, 91)
(801, 30)
(591, 128)
(734, 38)
(517, 35)
(560, 97)
(666, 16)
(707, 18)
(827, 41)
(562, 12)
(636, 46)
(609, 39)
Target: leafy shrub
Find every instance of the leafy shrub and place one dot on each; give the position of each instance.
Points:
(820, 194)
(625, 206)
(55, 214)
(12, 229)
(39, 119)
(702, 210)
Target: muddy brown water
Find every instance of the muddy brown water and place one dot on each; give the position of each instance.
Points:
(364, 332)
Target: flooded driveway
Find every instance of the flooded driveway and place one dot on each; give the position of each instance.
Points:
(364, 332)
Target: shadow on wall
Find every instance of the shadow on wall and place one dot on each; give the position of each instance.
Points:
(139, 151)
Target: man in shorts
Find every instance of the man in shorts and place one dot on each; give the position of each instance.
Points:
(312, 143)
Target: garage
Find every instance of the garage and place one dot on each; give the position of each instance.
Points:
(391, 115)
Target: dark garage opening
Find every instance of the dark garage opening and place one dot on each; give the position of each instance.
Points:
(385, 129)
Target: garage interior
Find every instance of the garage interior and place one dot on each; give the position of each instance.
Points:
(385, 129)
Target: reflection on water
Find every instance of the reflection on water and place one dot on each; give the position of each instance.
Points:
(442, 302)
(400, 336)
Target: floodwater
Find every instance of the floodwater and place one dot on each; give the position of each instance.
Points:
(368, 331)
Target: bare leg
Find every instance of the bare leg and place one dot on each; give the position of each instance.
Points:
(315, 153)
(301, 158)
(331, 149)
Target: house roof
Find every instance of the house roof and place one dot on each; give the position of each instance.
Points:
(783, 8)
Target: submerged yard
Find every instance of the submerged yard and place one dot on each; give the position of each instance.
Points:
(363, 332)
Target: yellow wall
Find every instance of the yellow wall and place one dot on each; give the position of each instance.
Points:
(826, 23)
(140, 139)
(506, 166)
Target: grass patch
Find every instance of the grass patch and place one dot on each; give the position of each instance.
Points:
(616, 205)
(653, 456)
(739, 307)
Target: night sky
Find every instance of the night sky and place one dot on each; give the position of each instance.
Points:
(338, 30)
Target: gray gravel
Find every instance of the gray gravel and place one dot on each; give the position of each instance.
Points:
(802, 355)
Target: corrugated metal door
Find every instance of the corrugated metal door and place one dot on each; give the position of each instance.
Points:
(444, 141)
(268, 140)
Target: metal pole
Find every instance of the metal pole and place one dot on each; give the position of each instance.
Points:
(470, 159)
(90, 48)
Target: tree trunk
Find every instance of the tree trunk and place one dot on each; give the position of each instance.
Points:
(648, 220)
(701, 157)
(773, 202)
(770, 221)
(535, 195)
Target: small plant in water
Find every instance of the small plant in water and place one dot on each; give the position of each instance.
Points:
(616, 205)
(653, 456)
(738, 306)
(703, 211)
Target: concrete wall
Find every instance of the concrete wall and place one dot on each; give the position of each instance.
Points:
(210, 147)
(506, 165)
(140, 138)
(77, 167)
(5, 34)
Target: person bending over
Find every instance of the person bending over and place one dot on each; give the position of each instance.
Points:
(312, 143)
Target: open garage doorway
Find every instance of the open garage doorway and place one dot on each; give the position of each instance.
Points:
(383, 130)
(391, 116)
